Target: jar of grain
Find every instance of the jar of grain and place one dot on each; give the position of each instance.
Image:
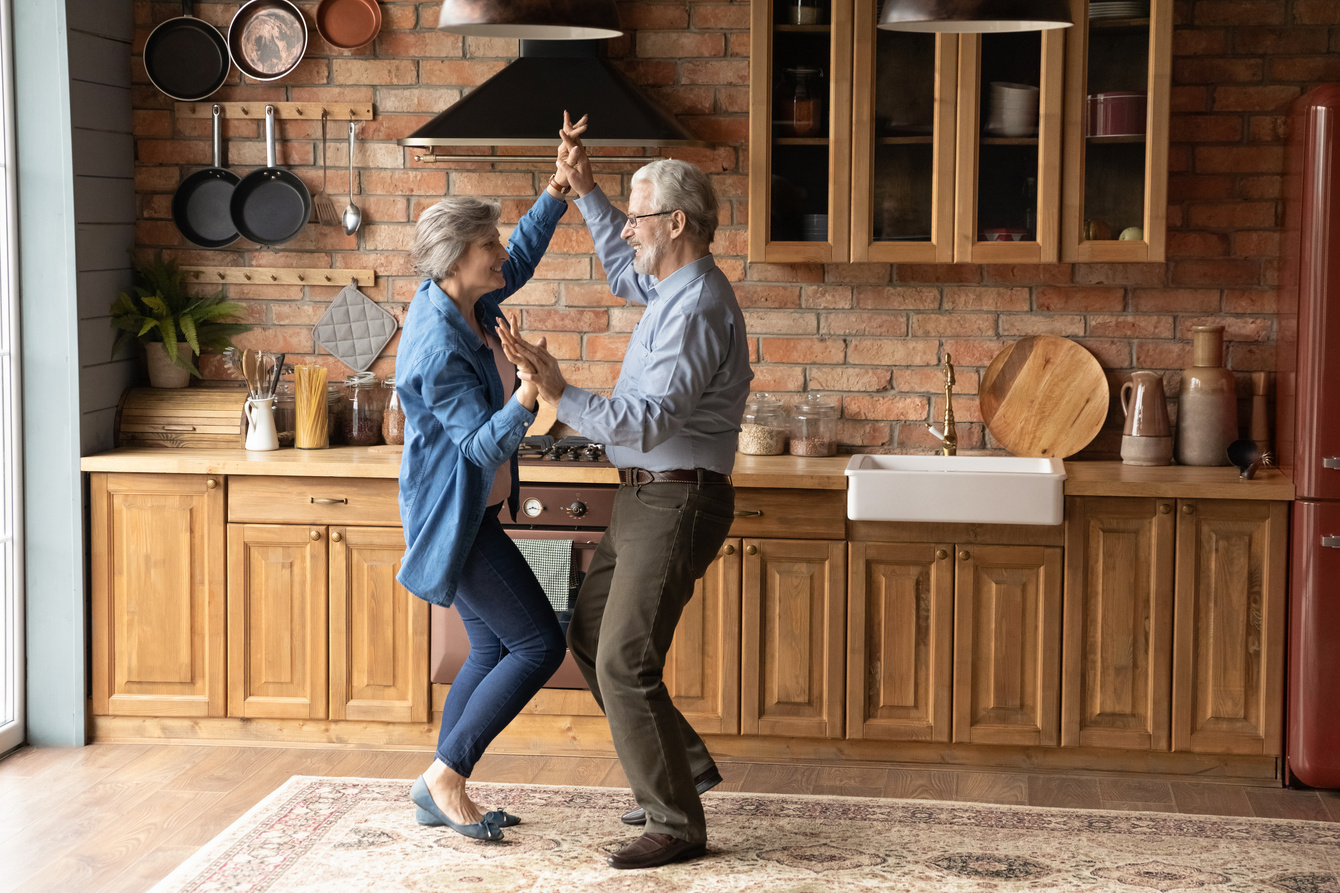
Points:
(286, 419)
(814, 426)
(763, 428)
(363, 410)
(393, 420)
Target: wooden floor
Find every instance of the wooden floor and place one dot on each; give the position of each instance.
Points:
(121, 816)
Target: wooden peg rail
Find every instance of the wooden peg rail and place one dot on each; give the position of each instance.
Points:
(279, 276)
(288, 111)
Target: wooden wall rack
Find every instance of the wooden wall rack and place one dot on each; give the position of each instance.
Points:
(335, 111)
(279, 276)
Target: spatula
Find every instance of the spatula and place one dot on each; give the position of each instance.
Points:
(326, 215)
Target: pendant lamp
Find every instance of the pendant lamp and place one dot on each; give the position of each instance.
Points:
(974, 16)
(531, 19)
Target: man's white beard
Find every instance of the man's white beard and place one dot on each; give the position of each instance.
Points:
(649, 254)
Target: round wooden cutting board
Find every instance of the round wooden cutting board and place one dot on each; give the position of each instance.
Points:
(1044, 396)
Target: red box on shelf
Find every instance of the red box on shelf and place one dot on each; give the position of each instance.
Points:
(1117, 114)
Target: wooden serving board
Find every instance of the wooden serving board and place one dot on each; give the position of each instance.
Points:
(1044, 396)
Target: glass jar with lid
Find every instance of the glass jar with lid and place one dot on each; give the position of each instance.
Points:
(286, 418)
(363, 409)
(814, 426)
(763, 428)
(805, 12)
(336, 407)
(393, 419)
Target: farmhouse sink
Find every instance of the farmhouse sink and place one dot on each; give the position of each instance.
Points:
(955, 489)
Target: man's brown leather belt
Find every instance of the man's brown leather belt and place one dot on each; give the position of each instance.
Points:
(632, 477)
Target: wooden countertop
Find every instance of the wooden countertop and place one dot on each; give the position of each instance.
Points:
(1082, 478)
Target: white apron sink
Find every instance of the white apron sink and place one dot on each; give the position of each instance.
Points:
(955, 489)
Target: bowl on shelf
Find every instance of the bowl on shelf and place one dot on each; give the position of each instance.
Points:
(1002, 234)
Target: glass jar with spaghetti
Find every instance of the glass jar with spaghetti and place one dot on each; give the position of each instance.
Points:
(312, 415)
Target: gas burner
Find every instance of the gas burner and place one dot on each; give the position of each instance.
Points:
(570, 449)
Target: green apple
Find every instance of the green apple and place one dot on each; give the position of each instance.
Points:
(1132, 233)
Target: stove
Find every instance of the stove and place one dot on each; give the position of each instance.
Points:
(541, 449)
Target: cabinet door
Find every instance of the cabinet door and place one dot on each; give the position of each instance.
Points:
(792, 673)
(800, 80)
(378, 630)
(900, 603)
(702, 670)
(1118, 623)
(1008, 182)
(1007, 645)
(1118, 84)
(277, 621)
(1228, 643)
(157, 594)
(904, 96)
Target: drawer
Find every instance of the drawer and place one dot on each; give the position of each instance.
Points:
(291, 500)
(791, 514)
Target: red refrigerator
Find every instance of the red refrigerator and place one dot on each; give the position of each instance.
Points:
(1308, 432)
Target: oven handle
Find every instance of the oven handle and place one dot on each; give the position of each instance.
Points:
(749, 513)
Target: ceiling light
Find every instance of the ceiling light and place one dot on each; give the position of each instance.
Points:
(974, 16)
(531, 19)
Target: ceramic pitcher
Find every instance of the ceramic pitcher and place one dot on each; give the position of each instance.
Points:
(261, 434)
(1147, 437)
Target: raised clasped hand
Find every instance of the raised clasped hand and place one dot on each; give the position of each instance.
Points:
(534, 363)
(574, 165)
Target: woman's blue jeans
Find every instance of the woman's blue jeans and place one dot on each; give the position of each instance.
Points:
(515, 646)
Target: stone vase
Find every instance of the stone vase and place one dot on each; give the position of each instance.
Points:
(1207, 405)
(163, 373)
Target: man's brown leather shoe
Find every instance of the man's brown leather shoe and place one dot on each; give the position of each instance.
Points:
(653, 849)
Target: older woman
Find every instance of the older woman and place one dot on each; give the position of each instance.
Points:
(465, 414)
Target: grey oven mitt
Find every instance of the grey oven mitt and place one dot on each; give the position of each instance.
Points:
(354, 329)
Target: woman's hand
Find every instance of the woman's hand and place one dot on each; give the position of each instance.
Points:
(534, 363)
(528, 395)
(574, 166)
(560, 180)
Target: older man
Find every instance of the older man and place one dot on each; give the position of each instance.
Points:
(671, 426)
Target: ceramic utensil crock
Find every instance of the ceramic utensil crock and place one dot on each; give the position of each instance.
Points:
(261, 434)
(1146, 438)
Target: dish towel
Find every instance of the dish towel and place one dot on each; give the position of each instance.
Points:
(551, 560)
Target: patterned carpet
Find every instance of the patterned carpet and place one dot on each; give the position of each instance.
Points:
(343, 834)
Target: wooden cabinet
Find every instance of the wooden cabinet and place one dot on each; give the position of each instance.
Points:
(157, 594)
(1174, 620)
(702, 670)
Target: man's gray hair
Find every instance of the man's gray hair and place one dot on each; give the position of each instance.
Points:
(447, 229)
(678, 185)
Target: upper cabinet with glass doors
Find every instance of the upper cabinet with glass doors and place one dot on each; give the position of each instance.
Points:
(1118, 79)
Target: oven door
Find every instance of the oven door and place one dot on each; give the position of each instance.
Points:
(450, 645)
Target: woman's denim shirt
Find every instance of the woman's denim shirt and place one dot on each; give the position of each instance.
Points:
(457, 430)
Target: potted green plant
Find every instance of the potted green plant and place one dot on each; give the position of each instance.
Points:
(172, 324)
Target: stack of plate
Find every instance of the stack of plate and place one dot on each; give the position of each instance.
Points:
(814, 227)
(1014, 110)
(1119, 9)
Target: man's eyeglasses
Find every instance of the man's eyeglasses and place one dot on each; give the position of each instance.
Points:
(635, 219)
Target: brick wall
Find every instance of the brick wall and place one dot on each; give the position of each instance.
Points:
(872, 332)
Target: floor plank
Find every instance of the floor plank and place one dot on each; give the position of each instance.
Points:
(1278, 803)
(1065, 791)
(850, 781)
(1005, 788)
(916, 784)
(1210, 799)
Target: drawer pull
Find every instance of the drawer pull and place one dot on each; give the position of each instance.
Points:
(751, 550)
(1164, 508)
(941, 554)
(748, 513)
(178, 427)
(1331, 542)
(964, 555)
(329, 500)
(730, 550)
(1331, 462)
(335, 536)
(211, 484)
(315, 535)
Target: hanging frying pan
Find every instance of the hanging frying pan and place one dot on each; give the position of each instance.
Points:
(267, 39)
(348, 24)
(200, 207)
(186, 58)
(270, 205)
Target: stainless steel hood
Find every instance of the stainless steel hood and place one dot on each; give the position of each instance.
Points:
(523, 104)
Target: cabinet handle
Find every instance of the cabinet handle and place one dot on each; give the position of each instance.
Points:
(1331, 542)
(1188, 509)
(752, 550)
(729, 550)
(335, 536)
(211, 484)
(941, 554)
(964, 555)
(177, 427)
(1164, 508)
(315, 535)
(329, 500)
(748, 513)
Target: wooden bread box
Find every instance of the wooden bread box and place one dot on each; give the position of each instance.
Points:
(205, 417)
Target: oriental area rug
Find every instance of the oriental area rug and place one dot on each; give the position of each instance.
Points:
(341, 834)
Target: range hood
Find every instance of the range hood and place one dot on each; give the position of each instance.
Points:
(523, 104)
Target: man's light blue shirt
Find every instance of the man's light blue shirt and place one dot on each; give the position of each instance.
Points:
(685, 377)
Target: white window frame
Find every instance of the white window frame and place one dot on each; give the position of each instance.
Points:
(12, 711)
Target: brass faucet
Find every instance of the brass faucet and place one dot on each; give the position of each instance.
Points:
(949, 438)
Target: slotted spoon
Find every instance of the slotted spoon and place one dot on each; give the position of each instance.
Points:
(326, 215)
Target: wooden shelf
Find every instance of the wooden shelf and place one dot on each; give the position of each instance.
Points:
(800, 141)
(1009, 141)
(803, 29)
(341, 111)
(1117, 24)
(904, 140)
(279, 276)
(1119, 138)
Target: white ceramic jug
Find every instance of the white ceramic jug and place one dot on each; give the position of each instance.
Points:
(261, 434)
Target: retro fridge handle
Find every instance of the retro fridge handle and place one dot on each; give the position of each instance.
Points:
(1331, 462)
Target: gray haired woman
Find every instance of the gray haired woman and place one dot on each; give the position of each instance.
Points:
(465, 414)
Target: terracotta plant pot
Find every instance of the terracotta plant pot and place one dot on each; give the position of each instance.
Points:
(163, 373)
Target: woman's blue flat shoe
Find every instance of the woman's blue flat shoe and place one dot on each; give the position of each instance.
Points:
(427, 813)
(502, 819)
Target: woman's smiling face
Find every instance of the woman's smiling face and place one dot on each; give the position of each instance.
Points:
(479, 270)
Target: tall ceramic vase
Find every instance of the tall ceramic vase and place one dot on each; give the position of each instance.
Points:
(1207, 406)
(163, 373)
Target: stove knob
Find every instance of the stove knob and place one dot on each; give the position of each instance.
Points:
(577, 509)
(532, 507)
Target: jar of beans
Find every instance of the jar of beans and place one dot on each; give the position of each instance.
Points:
(364, 406)
(286, 419)
(763, 428)
(814, 426)
(393, 420)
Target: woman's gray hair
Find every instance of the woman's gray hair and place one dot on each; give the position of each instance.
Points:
(447, 229)
(678, 185)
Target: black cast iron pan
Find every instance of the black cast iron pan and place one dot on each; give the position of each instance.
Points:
(200, 207)
(185, 57)
(270, 205)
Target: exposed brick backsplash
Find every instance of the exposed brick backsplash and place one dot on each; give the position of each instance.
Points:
(874, 334)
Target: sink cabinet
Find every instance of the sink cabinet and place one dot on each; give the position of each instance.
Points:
(1174, 624)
